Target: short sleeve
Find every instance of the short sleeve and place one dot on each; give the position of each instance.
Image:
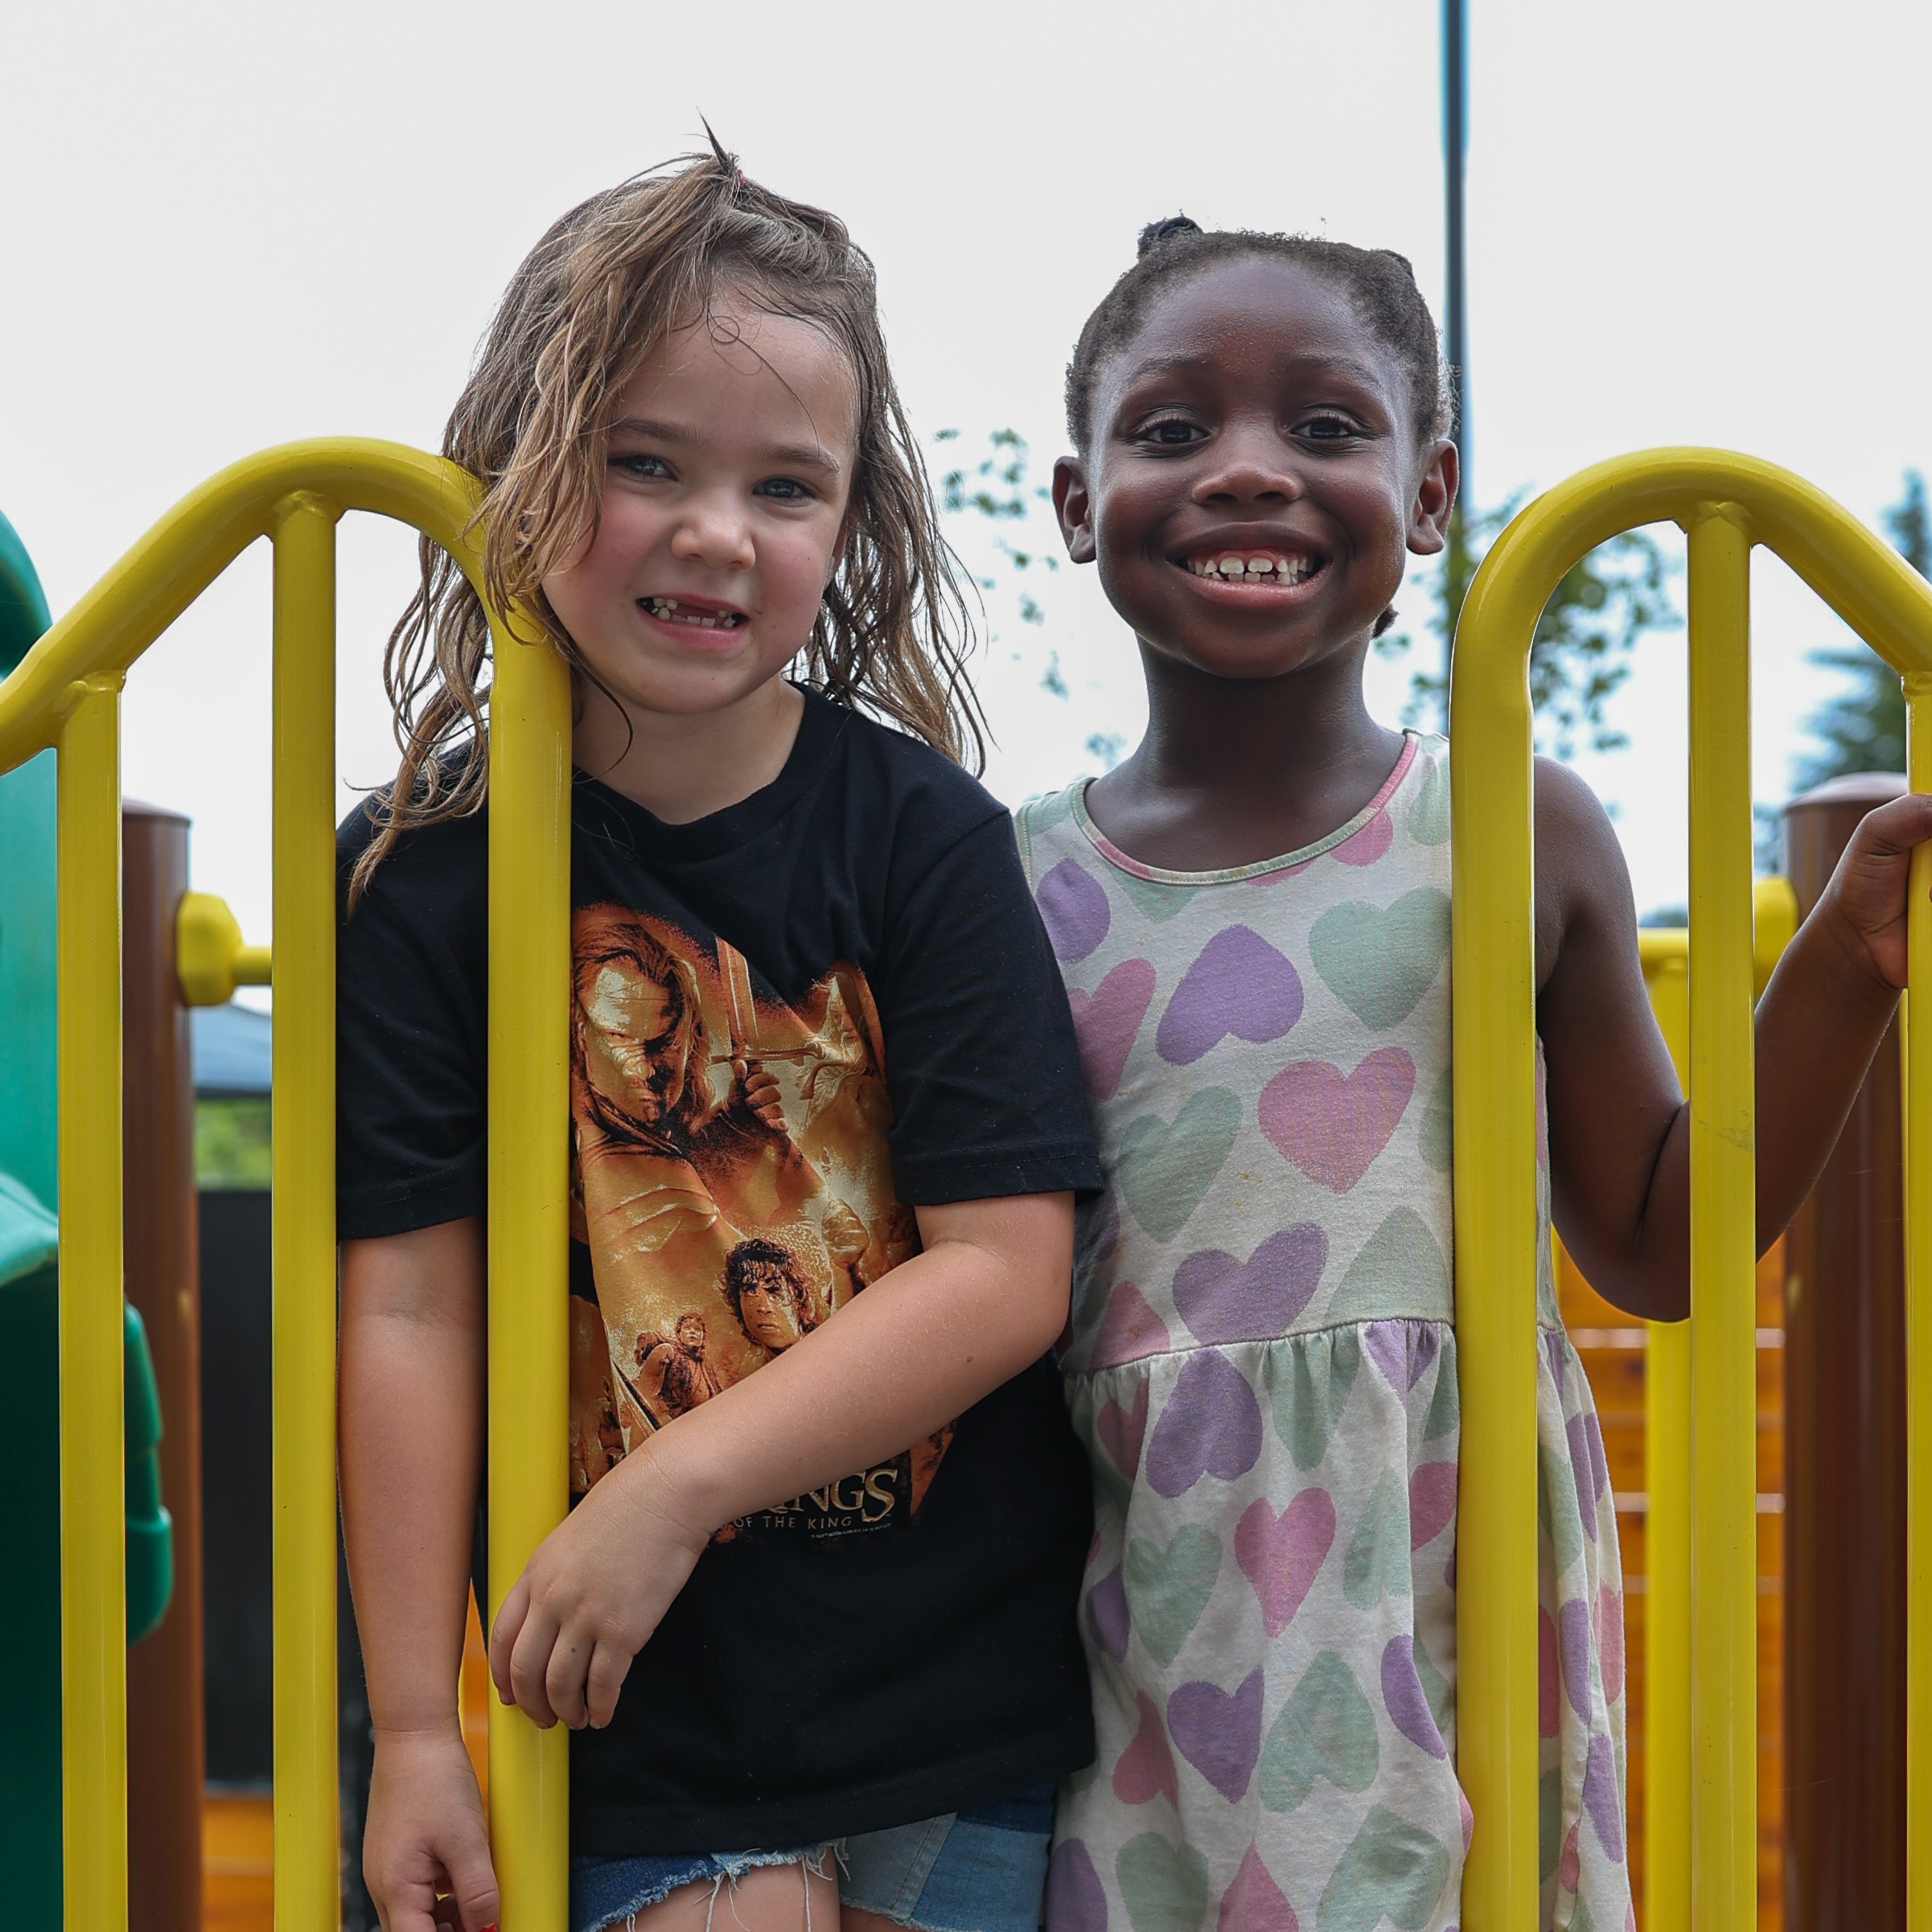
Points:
(980, 1058)
(410, 1033)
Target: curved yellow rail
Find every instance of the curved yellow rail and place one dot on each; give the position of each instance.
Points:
(66, 693)
(1726, 503)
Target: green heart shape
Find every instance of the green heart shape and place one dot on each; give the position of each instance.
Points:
(1308, 1387)
(1158, 899)
(1428, 818)
(1326, 1730)
(1379, 962)
(1377, 1562)
(1165, 1886)
(1438, 1137)
(1400, 1265)
(1165, 1172)
(1167, 1589)
(1393, 1870)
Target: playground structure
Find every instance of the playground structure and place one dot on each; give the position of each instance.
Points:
(1700, 1634)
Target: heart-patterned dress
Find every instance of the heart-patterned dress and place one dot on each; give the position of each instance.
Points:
(1262, 1365)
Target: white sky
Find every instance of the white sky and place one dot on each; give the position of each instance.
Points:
(226, 226)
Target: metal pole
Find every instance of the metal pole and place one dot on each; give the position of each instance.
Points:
(1455, 151)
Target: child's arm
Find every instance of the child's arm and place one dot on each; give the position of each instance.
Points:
(1618, 1125)
(411, 1440)
(982, 1301)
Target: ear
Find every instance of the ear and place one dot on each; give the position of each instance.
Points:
(1435, 497)
(1073, 504)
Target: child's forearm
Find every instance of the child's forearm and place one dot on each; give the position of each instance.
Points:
(411, 1435)
(985, 1299)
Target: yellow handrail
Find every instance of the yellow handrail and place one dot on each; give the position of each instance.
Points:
(1726, 503)
(66, 693)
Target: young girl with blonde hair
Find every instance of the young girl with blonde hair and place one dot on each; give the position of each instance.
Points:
(849, 1557)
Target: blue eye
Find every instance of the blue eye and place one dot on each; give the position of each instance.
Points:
(784, 489)
(638, 464)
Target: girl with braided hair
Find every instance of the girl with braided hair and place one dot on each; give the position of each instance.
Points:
(1251, 914)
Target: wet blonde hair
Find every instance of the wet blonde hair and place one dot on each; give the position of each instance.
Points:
(590, 303)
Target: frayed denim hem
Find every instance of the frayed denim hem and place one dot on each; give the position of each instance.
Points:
(607, 1893)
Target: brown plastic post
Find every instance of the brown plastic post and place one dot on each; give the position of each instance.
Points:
(1844, 1476)
(165, 1752)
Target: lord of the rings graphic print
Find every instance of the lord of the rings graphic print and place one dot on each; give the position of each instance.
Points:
(731, 1182)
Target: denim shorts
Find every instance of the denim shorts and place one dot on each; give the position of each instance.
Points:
(982, 1870)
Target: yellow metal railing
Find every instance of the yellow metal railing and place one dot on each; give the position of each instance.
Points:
(1726, 504)
(66, 693)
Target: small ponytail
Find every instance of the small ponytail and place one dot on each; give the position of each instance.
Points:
(1158, 231)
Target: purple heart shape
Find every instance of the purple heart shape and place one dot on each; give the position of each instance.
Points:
(1107, 1618)
(1072, 907)
(1599, 1795)
(1211, 1426)
(1239, 984)
(1223, 1300)
(1076, 1901)
(1407, 1703)
(1218, 1735)
(1573, 1636)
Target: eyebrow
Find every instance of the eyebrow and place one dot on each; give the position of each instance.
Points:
(790, 455)
(1334, 365)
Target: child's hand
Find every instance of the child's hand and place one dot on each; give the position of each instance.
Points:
(425, 1834)
(1865, 904)
(590, 1597)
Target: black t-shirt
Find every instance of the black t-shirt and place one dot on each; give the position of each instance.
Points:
(791, 1022)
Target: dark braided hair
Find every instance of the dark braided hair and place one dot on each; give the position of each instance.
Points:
(1379, 283)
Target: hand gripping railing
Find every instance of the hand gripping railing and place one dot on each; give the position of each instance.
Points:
(1725, 504)
(66, 693)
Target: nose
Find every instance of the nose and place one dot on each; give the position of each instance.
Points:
(1250, 463)
(714, 530)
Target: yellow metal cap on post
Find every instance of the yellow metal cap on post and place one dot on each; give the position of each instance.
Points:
(211, 959)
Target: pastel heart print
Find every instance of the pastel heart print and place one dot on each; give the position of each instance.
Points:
(1548, 1683)
(1403, 1350)
(1431, 1503)
(1600, 1798)
(1239, 983)
(1325, 1729)
(1254, 1903)
(1281, 1555)
(1394, 1872)
(1308, 1387)
(1076, 1901)
(1073, 908)
(1164, 1886)
(1379, 961)
(1219, 1735)
(1223, 1300)
(1107, 1618)
(1130, 1331)
(1211, 1426)
(1157, 899)
(1146, 1768)
(1573, 1634)
(1106, 1019)
(1164, 1171)
(1428, 818)
(1403, 1694)
(1375, 1565)
(1168, 1586)
(1331, 1125)
(1401, 1258)
(1609, 1640)
(1368, 843)
(1120, 1429)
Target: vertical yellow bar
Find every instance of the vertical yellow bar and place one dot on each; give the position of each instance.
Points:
(1666, 1604)
(93, 1557)
(307, 1888)
(529, 1230)
(1919, 1337)
(1494, 967)
(1724, 1214)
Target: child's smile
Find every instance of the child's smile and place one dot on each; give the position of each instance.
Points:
(1255, 481)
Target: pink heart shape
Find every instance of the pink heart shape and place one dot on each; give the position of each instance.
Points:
(1331, 1125)
(1146, 1768)
(1106, 1020)
(1432, 1501)
(1254, 1903)
(1365, 846)
(1122, 1429)
(1281, 1555)
(1129, 1330)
